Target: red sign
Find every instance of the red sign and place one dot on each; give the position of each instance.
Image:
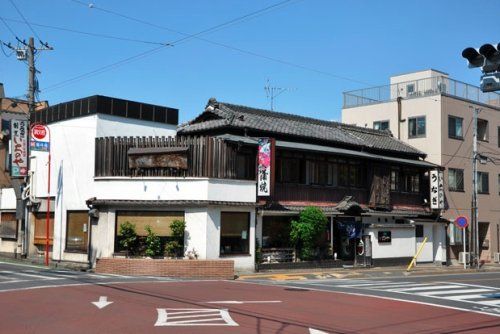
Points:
(461, 222)
(39, 132)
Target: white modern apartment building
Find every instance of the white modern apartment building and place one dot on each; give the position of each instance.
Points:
(434, 113)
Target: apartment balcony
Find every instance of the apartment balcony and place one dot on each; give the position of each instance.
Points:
(419, 88)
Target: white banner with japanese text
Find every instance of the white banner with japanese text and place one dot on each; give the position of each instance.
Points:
(264, 167)
(437, 189)
(19, 148)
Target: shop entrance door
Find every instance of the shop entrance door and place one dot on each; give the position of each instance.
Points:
(346, 234)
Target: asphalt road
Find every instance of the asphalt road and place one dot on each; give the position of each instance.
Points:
(474, 292)
(37, 300)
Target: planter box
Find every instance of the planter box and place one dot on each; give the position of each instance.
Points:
(200, 269)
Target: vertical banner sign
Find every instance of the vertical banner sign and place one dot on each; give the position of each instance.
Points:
(39, 138)
(441, 189)
(19, 137)
(437, 189)
(264, 168)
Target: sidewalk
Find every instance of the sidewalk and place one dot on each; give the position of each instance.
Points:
(375, 272)
(39, 262)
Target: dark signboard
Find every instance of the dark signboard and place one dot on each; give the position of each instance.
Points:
(384, 237)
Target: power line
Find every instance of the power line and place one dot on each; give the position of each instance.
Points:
(211, 29)
(150, 51)
(24, 19)
(226, 46)
(8, 27)
(127, 39)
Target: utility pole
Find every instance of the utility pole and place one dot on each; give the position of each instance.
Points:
(27, 53)
(31, 75)
(474, 214)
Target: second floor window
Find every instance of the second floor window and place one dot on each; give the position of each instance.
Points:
(455, 179)
(395, 180)
(381, 125)
(455, 127)
(482, 183)
(411, 183)
(291, 170)
(482, 130)
(416, 127)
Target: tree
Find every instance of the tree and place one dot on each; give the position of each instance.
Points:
(306, 231)
(153, 243)
(175, 247)
(127, 237)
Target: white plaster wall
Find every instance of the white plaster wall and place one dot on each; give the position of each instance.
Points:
(115, 126)
(213, 233)
(232, 190)
(402, 243)
(7, 199)
(175, 189)
(427, 254)
(103, 235)
(416, 76)
(196, 231)
(439, 245)
(8, 203)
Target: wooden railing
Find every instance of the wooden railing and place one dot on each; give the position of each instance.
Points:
(207, 156)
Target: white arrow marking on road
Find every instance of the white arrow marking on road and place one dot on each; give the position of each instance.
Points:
(103, 302)
(245, 302)
(316, 331)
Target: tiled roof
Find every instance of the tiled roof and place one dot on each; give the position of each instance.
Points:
(220, 115)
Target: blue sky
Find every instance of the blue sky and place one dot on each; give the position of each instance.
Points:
(365, 41)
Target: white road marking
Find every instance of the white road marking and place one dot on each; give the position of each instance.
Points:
(428, 287)
(474, 310)
(436, 293)
(194, 317)
(102, 303)
(244, 302)
(316, 331)
(17, 273)
(465, 297)
(490, 302)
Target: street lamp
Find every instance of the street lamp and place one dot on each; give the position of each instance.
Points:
(487, 57)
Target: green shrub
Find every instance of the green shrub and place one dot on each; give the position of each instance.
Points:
(127, 237)
(153, 243)
(175, 247)
(305, 232)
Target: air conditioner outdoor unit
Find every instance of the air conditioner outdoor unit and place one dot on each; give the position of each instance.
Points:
(497, 257)
(461, 257)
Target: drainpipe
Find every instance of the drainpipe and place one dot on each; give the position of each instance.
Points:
(398, 100)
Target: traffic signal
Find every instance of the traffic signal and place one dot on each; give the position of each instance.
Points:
(488, 59)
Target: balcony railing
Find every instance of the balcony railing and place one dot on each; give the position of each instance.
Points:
(419, 88)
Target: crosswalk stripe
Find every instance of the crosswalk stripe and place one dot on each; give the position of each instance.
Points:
(465, 297)
(428, 287)
(391, 286)
(14, 274)
(490, 302)
(460, 291)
